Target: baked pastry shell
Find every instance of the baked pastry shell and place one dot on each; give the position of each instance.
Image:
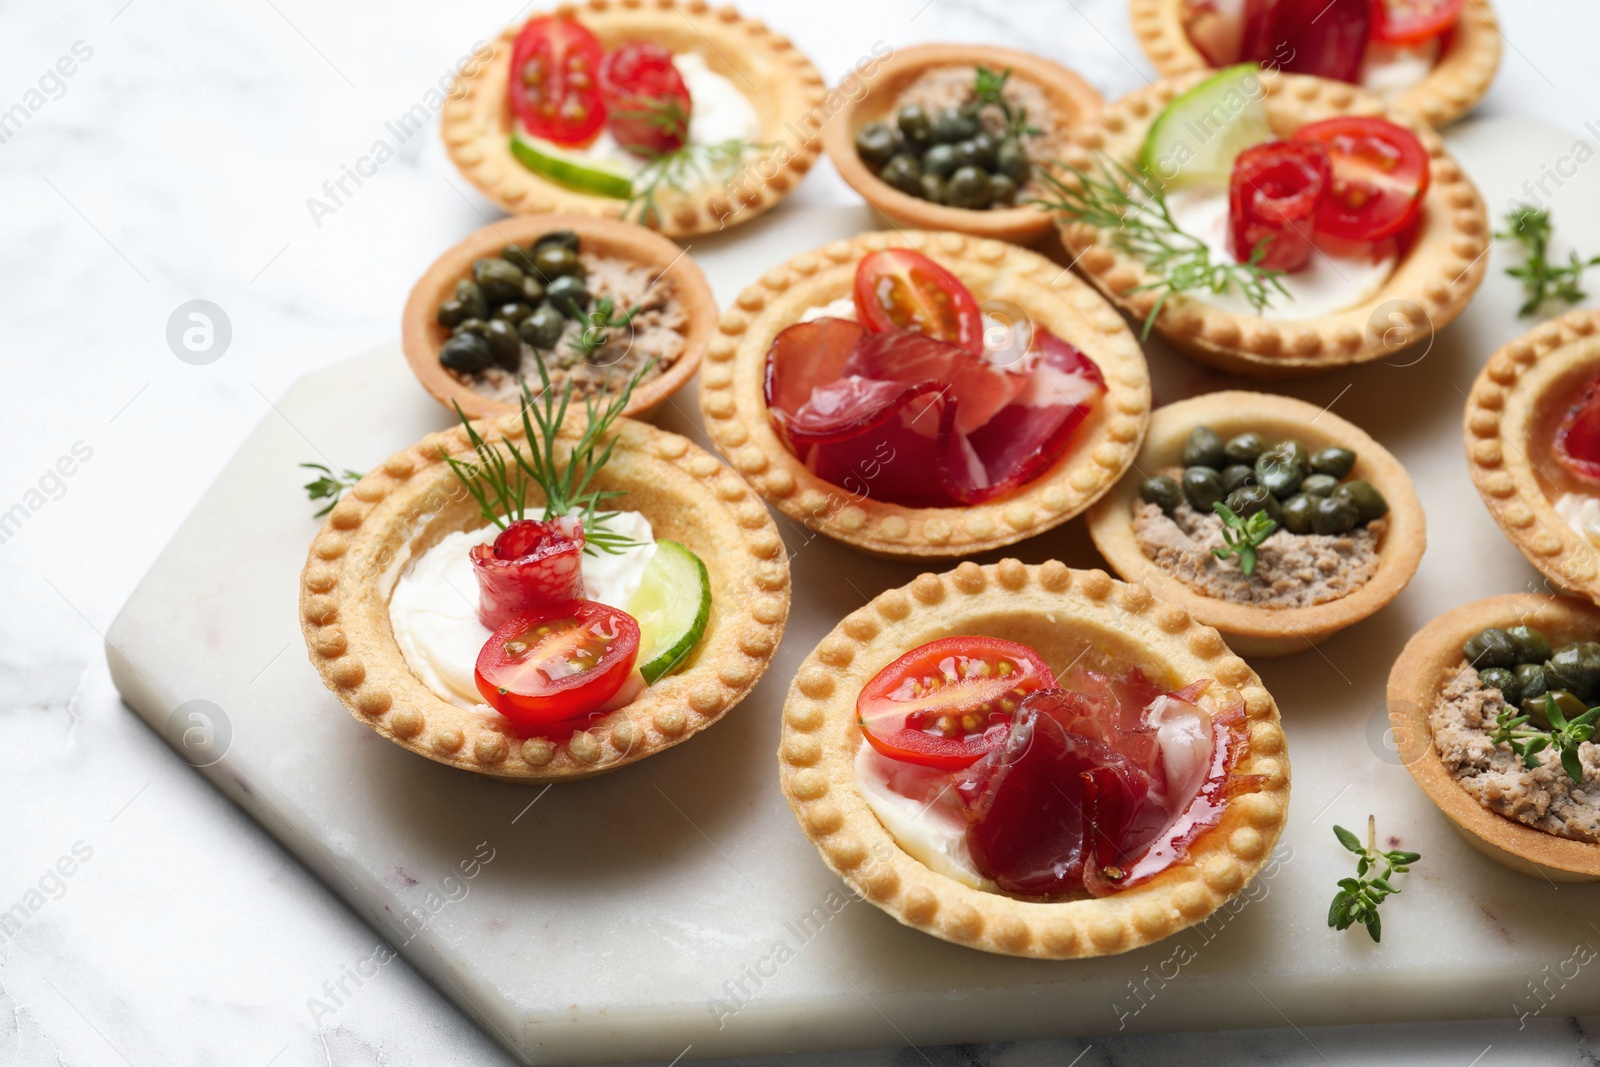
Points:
(1456, 83)
(786, 91)
(733, 398)
(1252, 629)
(1430, 660)
(1071, 99)
(412, 500)
(421, 336)
(1522, 387)
(1429, 287)
(1064, 614)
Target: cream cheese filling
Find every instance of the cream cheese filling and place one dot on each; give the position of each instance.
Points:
(1390, 69)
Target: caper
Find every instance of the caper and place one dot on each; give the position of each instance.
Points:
(1012, 161)
(903, 173)
(1245, 447)
(543, 328)
(1368, 501)
(518, 257)
(554, 261)
(968, 153)
(1530, 680)
(557, 238)
(1333, 515)
(1202, 487)
(1490, 648)
(968, 188)
(940, 160)
(1237, 475)
(915, 126)
(1278, 469)
(1162, 491)
(1333, 461)
(1319, 484)
(467, 353)
(565, 291)
(500, 281)
(1298, 513)
(471, 298)
(1247, 500)
(1539, 719)
(1574, 667)
(504, 344)
(472, 326)
(1301, 454)
(955, 125)
(1203, 448)
(1002, 190)
(932, 188)
(987, 148)
(532, 291)
(1503, 680)
(876, 144)
(451, 313)
(514, 312)
(1531, 645)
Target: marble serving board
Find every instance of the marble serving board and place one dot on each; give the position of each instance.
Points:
(675, 908)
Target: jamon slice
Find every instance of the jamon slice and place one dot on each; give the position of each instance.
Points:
(531, 564)
(1577, 443)
(1327, 38)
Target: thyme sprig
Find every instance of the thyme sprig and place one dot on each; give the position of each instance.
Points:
(677, 168)
(598, 324)
(1542, 280)
(1132, 208)
(1565, 735)
(499, 481)
(330, 486)
(989, 87)
(1242, 536)
(1358, 898)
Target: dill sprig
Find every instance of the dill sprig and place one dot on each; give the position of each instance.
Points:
(1358, 898)
(989, 87)
(1132, 208)
(1542, 280)
(499, 481)
(1242, 536)
(330, 486)
(1564, 735)
(677, 168)
(598, 324)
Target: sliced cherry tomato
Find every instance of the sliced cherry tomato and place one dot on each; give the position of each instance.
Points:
(1577, 443)
(1380, 173)
(905, 290)
(647, 103)
(1327, 38)
(1272, 201)
(558, 662)
(553, 84)
(949, 702)
(1410, 22)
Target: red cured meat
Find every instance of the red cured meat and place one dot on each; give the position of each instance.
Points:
(531, 564)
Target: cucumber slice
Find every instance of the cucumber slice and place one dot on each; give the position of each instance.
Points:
(1197, 138)
(672, 605)
(571, 169)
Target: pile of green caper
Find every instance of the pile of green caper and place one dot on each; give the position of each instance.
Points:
(525, 296)
(1301, 490)
(945, 157)
(1518, 662)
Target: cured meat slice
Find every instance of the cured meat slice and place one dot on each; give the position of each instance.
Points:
(531, 564)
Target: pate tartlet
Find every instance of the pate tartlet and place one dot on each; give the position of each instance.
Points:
(1431, 663)
(779, 83)
(672, 277)
(1512, 416)
(1066, 97)
(1066, 616)
(1006, 281)
(1459, 77)
(413, 500)
(1257, 630)
(1439, 267)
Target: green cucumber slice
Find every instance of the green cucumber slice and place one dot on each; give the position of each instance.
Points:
(1197, 138)
(571, 169)
(672, 605)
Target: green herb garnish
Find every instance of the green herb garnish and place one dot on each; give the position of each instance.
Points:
(989, 87)
(1133, 209)
(330, 486)
(499, 481)
(677, 168)
(1242, 536)
(1358, 898)
(1565, 736)
(598, 324)
(1542, 280)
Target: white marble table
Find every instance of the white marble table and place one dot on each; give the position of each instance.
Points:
(175, 163)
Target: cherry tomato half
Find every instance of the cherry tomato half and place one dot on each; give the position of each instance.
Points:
(553, 84)
(1380, 173)
(948, 702)
(1272, 201)
(646, 102)
(557, 663)
(1577, 442)
(1409, 22)
(905, 290)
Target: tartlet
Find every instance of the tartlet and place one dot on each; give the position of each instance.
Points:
(1430, 285)
(1251, 629)
(421, 336)
(1428, 662)
(1508, 426)
(1071, 98)
(1064, 614)
(785, 89)
(412, 500)
(733, 401)
(1459, 79)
